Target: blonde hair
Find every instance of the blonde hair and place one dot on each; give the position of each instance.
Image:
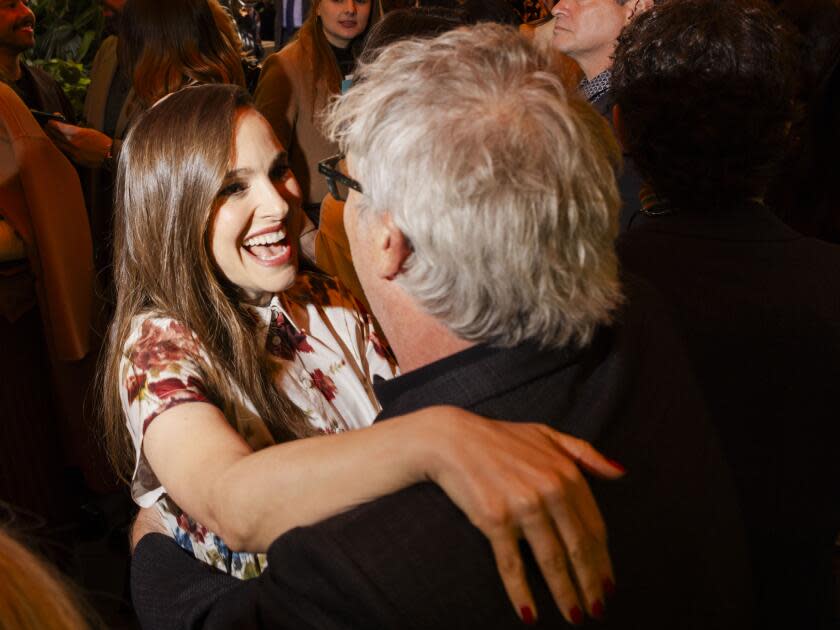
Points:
(171, 168)
(513, 219)
(32, 595)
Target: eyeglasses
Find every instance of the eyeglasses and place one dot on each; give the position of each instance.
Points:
(338, 182)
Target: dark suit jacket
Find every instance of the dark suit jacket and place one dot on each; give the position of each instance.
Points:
(47, 94)
(413, 560)
(760, 308)
(629, 181)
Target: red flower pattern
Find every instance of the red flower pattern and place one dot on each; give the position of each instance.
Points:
(135, 384)
(189, 525)
(284, 340)
(167, 387)
(159, 346)
(324, 384)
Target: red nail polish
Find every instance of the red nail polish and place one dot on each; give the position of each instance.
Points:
(527, 615)
(609, 587)
(576, 616)
(598, 610)
(615, 464)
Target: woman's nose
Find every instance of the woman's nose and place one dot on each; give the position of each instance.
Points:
(270, 203)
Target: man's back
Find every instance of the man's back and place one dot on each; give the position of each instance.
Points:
(760, 308)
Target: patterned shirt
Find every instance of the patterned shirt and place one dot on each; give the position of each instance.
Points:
(593, 89)
(324, 354)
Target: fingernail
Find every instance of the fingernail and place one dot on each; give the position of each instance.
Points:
(609, 587)
(598, 610)
(615, 464)
(576, 615)
(527, 615)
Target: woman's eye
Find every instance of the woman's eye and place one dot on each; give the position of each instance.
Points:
(231, 189)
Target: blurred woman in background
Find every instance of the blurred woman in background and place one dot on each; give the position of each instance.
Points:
(162, 46)
(297, 82)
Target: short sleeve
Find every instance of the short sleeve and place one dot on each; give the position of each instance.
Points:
(158, 371)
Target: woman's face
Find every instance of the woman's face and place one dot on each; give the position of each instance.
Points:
(343, 20)
(250, 237)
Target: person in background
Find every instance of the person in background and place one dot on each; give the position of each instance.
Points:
(587, 32)
(248, 25)
(110, 105)
(35, 87)
(33, 596)
(532, 10)
(297, 82)
(288, 18)
(111, 13)
(705, 111)
(161, 47)
(808, 197)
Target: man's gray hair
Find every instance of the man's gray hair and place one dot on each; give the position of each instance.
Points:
(503, 185)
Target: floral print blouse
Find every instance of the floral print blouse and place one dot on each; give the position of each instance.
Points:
(324, 354)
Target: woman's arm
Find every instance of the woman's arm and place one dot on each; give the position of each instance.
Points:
(511, 480)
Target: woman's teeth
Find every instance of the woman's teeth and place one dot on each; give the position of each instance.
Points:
(266, 239)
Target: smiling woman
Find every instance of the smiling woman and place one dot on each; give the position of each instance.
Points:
(250, 238)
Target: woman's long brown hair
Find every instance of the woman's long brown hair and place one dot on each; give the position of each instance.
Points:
(166, 44)
(171, 168)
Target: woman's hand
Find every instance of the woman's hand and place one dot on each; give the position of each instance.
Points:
(516, 480)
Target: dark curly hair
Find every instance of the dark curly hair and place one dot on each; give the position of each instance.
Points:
(705, 90)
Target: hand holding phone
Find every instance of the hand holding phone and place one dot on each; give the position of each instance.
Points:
(85, 146)
(44, 117)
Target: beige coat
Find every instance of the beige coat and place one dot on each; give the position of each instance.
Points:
(41, 200)
(284, 97)
(99, 181)
(101, 75)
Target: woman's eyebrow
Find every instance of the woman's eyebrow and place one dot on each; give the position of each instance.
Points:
(238, 172)
(282, 157)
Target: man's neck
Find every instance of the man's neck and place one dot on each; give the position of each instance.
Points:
(594, 66)
(10, 65)
(594, 62)
(416, 337)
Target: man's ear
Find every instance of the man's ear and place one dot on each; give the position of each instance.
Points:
(618, 125)
(393, 247)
